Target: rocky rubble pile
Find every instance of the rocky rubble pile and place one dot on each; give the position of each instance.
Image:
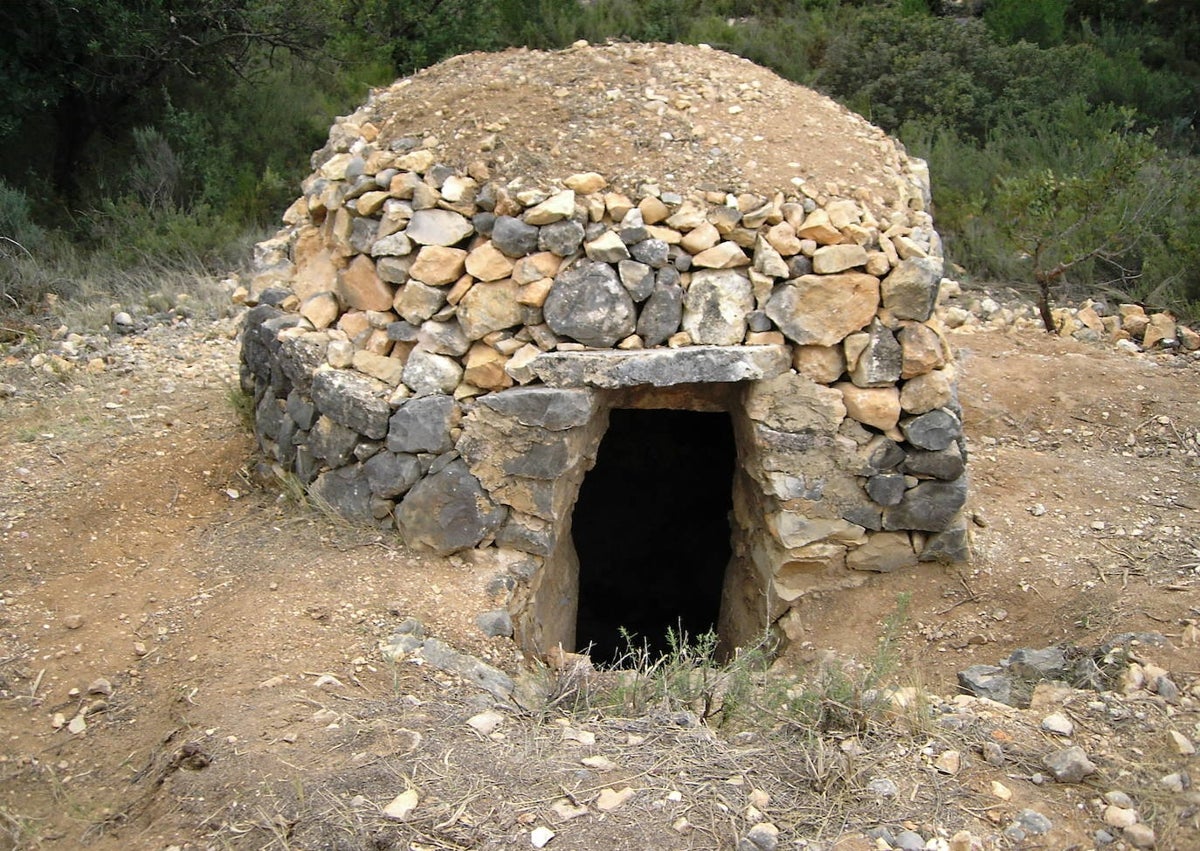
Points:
(1102, 734)
(59, 351)
(1087, 699)
(1128, 326)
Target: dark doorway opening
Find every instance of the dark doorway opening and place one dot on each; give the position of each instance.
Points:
(651, 529)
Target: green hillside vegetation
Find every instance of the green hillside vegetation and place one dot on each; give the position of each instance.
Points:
(1061, 134)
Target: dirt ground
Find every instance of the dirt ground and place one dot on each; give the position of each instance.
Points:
(245, 704)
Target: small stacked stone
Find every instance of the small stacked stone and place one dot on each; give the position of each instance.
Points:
(440, 284)
(491, 275)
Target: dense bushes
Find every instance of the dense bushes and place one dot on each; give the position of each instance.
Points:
(1031, 93)
(138, 131)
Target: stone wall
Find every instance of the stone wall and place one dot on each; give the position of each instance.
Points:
(436, 351)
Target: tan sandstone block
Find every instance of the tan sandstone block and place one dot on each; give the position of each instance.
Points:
(585, 183)
(485, 368)
(360, 287)
(653, 210)
(927, 392)
(315, 269)
(874, 406)
(818, 227)
(831, 259)
(883, 552)
(921, 350)
(544, 264)
(822, 364)
(488, 263)
(783, 239)
(726, 255)
(437, 265)
(700, 238)
(320, 309)
(534, 294)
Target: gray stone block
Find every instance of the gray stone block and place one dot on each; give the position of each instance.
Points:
(587, 303)
(299, 356)
(355, 400)
(637, 278)
(496, 623)
(911, 290)
(544, 407)
(301, 410)
(346, 491)
(716, 306)
(514, 237)
(332, 442)
(986, 681)
(952, 546)
(546, 460)
(947, 464)
(268, 417)
(661, 367)
(929, 507)
(653, 252)
(448, 511)
(392, 474)
(886, 488)
(423, 425)
(879, 363)
(935, 430)
(562, 238)
(661, 314)
(526, 533)
(492, 680)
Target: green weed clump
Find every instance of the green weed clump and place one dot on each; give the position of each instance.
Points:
(691, 676)
(742, 690)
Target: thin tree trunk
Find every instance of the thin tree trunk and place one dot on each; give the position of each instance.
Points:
(73, 128)
(1043, 282)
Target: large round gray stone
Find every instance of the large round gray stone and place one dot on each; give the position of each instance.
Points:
(587, 303)
(448, 511)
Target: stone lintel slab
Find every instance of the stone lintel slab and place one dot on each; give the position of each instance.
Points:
(611, 369)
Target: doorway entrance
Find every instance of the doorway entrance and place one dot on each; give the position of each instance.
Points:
(651, 529)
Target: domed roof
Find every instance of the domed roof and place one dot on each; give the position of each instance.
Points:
(679, 117)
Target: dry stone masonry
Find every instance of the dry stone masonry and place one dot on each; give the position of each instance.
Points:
(438, 337)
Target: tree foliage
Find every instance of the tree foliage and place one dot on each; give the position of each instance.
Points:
(98, 66)
(1101, 210)
(152, 120)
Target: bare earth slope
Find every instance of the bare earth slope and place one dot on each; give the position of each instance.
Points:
(215, 620)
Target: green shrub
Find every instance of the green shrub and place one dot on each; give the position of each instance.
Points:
(18, 232)
(127, 232)
(1042, 22)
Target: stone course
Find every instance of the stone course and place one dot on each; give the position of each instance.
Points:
(435, 352)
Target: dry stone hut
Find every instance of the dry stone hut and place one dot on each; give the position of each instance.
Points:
(645, 330)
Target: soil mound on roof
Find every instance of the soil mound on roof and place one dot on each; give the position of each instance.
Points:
(676, 116)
